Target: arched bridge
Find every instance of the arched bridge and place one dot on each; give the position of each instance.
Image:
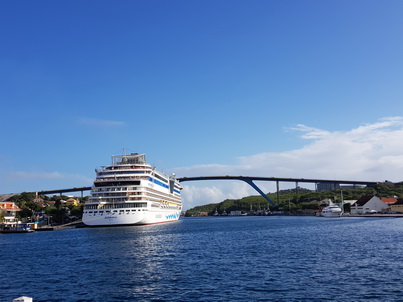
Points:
(249, 180)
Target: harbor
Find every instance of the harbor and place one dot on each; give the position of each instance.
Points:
(201, 151)
(236, 258)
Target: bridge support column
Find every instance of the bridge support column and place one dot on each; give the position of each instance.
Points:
(297, 190)
(278, 191)
(252, 184)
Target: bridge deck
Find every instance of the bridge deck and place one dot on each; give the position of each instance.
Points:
(280, 179)
(248, 179)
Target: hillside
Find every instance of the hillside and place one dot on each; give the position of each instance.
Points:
(290, 200)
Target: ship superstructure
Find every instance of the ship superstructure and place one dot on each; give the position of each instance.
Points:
(132, 192)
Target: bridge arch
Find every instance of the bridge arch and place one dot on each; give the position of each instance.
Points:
(249, 180)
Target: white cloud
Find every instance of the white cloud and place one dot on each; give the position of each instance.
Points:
(99, 122)
(194, 195)
(34, 175)
(41, 180)
(371, 152)
(50, 176)
(311, 133)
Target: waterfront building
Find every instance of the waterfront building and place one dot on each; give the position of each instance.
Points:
(367, 205)
(73, 201)
(397, 206)
(325, 186)
(8, 209)
(331, 186)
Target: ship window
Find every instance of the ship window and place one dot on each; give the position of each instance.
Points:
(117, 183)
(161, 178)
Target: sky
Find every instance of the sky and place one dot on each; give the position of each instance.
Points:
(299, 89)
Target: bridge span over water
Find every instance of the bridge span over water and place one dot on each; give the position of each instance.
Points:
(248, 179)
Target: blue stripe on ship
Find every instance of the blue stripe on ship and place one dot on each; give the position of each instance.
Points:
(160, 183)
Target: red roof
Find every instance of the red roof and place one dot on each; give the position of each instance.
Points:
(389, 200)
(8, 205)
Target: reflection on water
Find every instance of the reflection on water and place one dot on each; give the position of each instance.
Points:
(210, 259)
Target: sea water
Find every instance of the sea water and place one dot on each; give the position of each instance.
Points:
(270, 258)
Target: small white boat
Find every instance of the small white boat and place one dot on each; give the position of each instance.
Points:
(332, 210)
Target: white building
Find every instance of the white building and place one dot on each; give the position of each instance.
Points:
(367, 205)
(9, 209)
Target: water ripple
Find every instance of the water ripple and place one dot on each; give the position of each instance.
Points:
(210, 259)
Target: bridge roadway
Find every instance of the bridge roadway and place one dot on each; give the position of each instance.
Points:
(248, 179)
(280, 179)
(61, 191)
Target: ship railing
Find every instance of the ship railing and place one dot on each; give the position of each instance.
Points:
(128, 167)
(111, 195)
(120, 178)
(111, 189)
(126, 189)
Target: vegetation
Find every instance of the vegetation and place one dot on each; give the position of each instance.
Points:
(297, 201)
(54, 209)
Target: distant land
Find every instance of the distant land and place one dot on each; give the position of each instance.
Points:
(297, 200)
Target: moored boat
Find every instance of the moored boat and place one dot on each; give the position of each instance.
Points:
(14, 228)
(132, 192)
(332, 210)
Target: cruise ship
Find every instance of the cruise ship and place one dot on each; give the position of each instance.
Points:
(132, 192)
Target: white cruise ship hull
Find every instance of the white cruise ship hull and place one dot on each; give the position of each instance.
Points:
(128, 217)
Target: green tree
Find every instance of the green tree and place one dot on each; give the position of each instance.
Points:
(34, 206)
(57, 216)
(77, 211)
(25, 213)
(21, 199)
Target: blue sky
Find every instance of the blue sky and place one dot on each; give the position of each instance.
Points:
(259, 88)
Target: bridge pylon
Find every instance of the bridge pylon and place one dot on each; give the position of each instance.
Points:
(253, 185)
